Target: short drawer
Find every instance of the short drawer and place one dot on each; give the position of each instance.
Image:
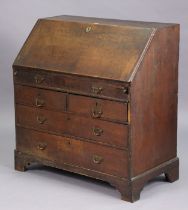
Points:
(40, 98)
(70, 151)
(99, 131)
(41, 119)
(72, 125)
(72, 83)
(98, 108)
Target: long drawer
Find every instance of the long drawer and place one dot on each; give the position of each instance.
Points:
(71, 83)
(70, 151)
(73, 125)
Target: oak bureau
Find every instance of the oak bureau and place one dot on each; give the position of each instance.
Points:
(98, 97)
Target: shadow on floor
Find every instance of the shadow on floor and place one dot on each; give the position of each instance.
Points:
(88, 183)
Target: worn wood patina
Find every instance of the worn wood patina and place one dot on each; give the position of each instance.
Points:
(98, 97)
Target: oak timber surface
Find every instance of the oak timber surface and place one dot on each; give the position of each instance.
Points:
(105, 51)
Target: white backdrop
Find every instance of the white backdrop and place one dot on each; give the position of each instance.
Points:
(49, 189)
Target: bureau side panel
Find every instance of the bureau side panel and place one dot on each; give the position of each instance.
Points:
(154, 103)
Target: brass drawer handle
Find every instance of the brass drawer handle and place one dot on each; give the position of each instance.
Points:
(41, 146)
(97, 159)
(125, 90)
(97, 111)
(39, 102)
(97, 90)
(39, 79)
(41, 120)
(97, 131)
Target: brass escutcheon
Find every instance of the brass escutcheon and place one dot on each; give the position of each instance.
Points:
(88, 29)
(68, 142)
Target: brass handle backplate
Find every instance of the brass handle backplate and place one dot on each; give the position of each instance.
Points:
(41, 119)
(97, 131)
(97, 90)
(39, 102)
(97, 111)
(97, 159)
(41, 146)
(39, 79)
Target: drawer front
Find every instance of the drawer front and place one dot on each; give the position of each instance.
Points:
(68, 83)
(41, 119)
(72, 125)
(70, 151)
(98, 108)
(40, 98)
(99, 131)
